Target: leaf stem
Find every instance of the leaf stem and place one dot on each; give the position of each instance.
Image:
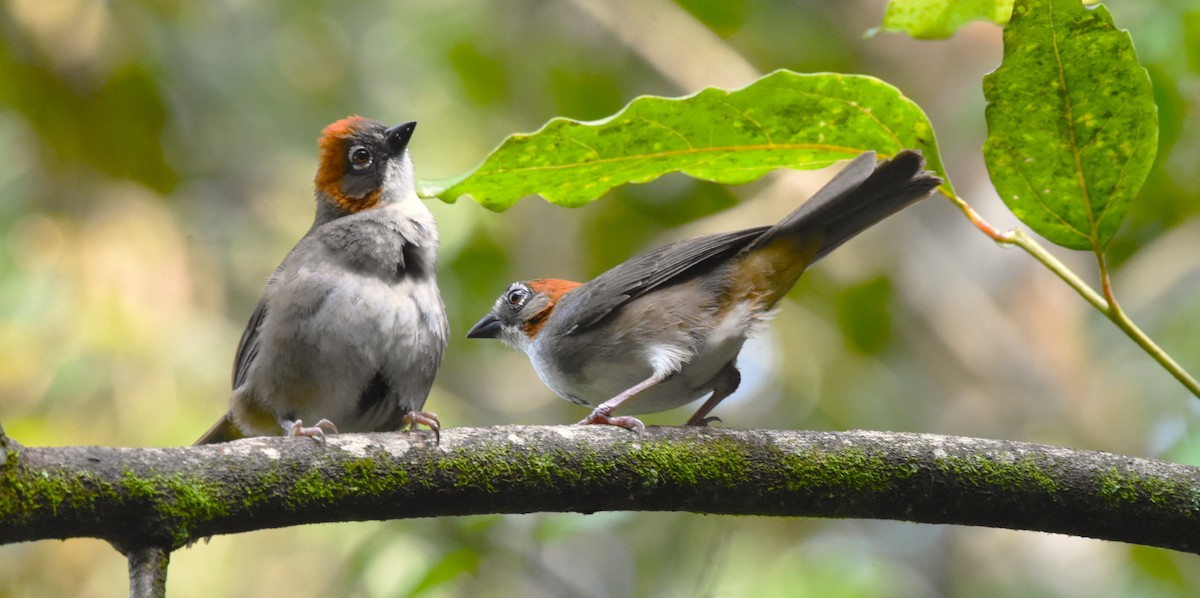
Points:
(1106, 304)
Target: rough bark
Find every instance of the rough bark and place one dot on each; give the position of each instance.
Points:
(148, 572)
(162, 499)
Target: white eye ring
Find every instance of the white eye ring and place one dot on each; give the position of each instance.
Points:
(360, 157)
(517, 297)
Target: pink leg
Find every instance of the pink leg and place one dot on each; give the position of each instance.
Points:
(603, 413)
(424, 418)
(296, 428)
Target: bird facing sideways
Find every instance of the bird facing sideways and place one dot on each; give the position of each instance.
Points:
(665, 328)
(351, 328)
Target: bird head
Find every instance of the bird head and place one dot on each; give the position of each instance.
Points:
(521, 312)
(364, 164)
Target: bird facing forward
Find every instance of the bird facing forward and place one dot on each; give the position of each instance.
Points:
(665, 328)
(351, 328)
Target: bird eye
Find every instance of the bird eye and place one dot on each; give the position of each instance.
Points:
(360, 157)
(517, 297)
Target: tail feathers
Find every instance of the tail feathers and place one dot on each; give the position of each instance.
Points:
(222, 431)
(860, 196)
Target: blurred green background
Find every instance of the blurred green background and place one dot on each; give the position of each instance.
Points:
(157, 164)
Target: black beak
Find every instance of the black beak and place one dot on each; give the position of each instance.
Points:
(399, 135)
(488, 327)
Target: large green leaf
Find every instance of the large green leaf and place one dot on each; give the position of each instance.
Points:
(1072, 125)
(783, 120)
(940, 19)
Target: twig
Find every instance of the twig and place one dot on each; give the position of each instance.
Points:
(148, 572)
(1105, 304)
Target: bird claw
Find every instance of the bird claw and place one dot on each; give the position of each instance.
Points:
(317, 431)
(704, 421)
(600, 417)
(424, 418)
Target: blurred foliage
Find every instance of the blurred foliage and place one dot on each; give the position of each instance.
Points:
(158, 165)
(108, 117)
(862, 314)
(723, 18)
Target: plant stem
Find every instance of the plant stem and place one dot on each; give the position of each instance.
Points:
(1106, 304)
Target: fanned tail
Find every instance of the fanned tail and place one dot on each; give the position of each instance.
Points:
(859, 197)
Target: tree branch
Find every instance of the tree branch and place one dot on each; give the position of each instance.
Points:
(167, 498)
(148, 572)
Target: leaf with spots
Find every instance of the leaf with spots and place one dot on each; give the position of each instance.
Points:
(783, 120)
(1072, 124)
(940, 19)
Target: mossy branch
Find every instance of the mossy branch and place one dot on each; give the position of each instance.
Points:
(167, 498)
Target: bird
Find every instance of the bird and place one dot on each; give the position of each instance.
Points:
(665, 328)
(351, 328)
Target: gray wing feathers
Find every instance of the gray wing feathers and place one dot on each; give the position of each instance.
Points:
(247, 348)
(649, 271)
(858, 197)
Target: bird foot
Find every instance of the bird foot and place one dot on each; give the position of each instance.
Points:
(703, 421)
(423, 418)
(297, 428)
(600, 416)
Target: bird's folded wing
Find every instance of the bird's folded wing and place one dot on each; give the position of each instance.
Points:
(247, 348)
(635, 277)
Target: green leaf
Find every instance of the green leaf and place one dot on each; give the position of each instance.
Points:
(783, 120)
(940, 19)
(1072, 125)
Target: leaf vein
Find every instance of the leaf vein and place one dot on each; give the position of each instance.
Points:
(671, 129)
(1073, 142)
(1046, 207)
(850, 151)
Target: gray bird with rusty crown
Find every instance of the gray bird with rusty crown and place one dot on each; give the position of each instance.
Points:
(665, 328)
(351, 328)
